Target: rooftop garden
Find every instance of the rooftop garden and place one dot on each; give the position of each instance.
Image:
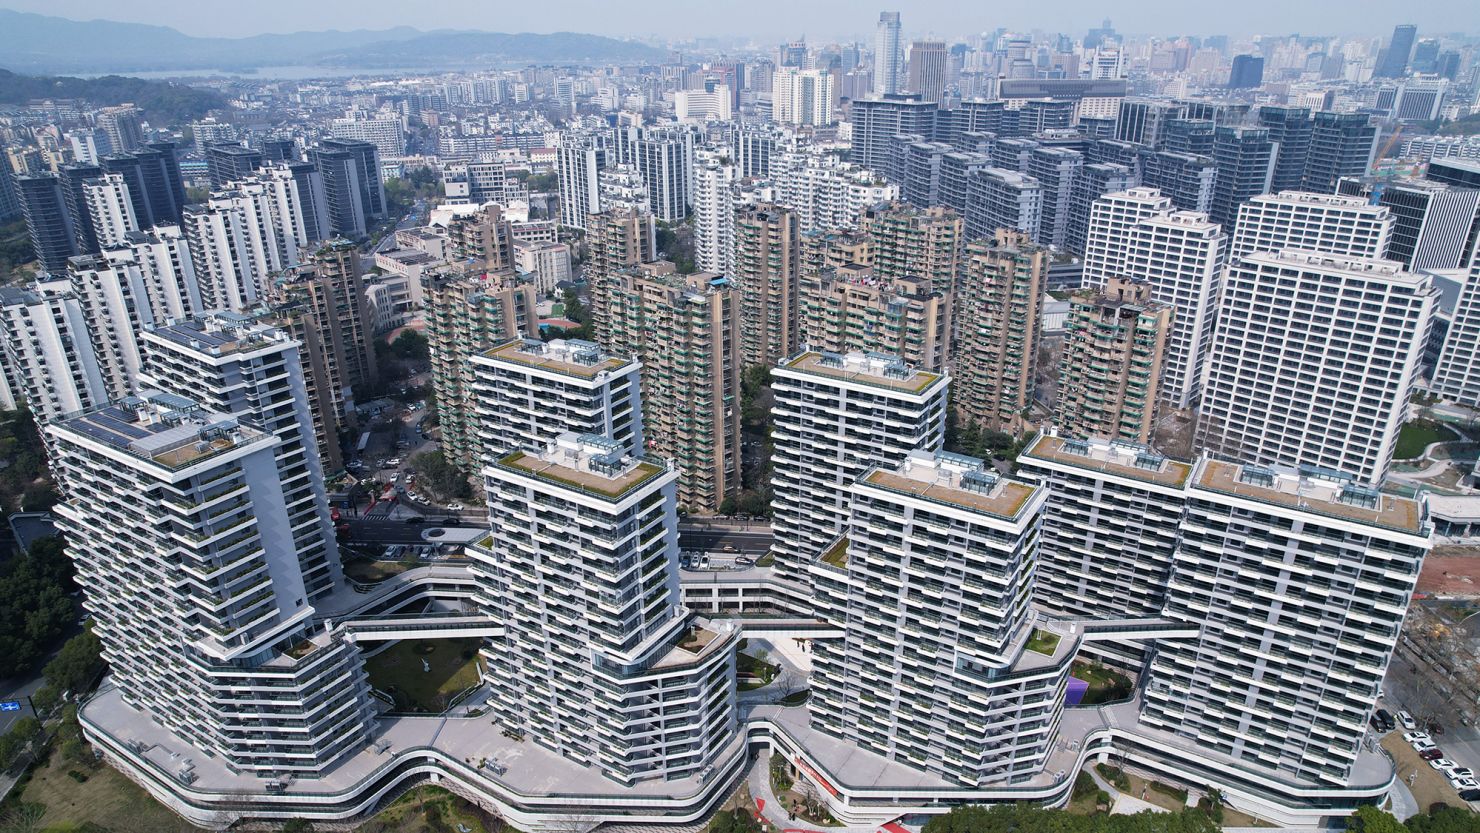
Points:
(1043, 642)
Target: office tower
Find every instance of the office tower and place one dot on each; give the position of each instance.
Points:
(152, 174)
(109, 211)
(1095, 559)
(715, 186)
(580, 158)
(48, 222)
(1434, 225)
(1143, 121)
(1093, 182)
(920, 172)
(526, 392)
(888, 55)
(237, 240)
(955, 172)
(914, 242)
(1057, 170)
(1193, 136)
(1302, 374)
(617, 239)
(802, 97)
(928, 60)
(1001, 199)
(1463, 173)
(999, 296)
(74, 181)
(227, 162)
(1115, 348)
(387, 134)
(1457, 372)
(49, 351)
(121, 123)
(752, 147)
(1245, 159)
(1420, 99)
(1290, 129)
(880, 688)
(767, 269)
(235, 366)
(1393, 61)
(1294, 638)
(633, 684)
(685, 330)
(354, 198)
(468, 311)
(184, 652)
(1248, 72)
(1425, 56)
(848, 308)
(792, 54)
(1338, 225)
(1341, 144)
(1187, 179)
(837, 416)
(877, 121)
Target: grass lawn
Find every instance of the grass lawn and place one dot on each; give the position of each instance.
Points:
(1417, 435)
(755, 672)
(796, 698)
(370, 572)
(1148, 791)
(106, 799)
(1043, 642)
(428, 809)
(398, 672)
(1105, 684)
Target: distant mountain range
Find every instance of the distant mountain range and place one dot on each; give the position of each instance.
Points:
(34, 43)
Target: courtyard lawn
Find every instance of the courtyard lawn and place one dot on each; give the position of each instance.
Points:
(1043, 642)
(102, 802)
(1418, 435)
(372, 572)
(398, 671)
(1105, 684)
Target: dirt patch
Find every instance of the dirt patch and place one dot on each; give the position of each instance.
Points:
(1429, 787)
(1451, 571)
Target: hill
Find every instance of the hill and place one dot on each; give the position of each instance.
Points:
(162, 102)
(38, 43)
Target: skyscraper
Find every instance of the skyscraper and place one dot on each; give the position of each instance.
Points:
(50, 225)
(928, 59)
(1245, 160)
(999, 297)
(767, 271)
(802, 96)
(888, 55)
(877, 121)
(1247, 73)
(1341, 144)
(1290, 129)
(1393, 61)
(354, 196)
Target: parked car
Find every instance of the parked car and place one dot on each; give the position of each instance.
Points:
(1465, 785)
(743, 561)
(1460, 773)
(1470, 794)
(416, 519)
(456, 507)
(1383, 720)
(1406, 720)
(1431, 753)
(1443, 764)
(1415, 737)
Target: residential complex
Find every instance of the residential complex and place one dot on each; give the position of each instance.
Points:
(1115, 348)
(849, 308)
(999, 297)
(767, 272)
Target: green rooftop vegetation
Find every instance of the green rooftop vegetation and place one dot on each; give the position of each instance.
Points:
(1043, 642)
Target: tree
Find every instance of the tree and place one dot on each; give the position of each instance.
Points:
(1442, 820)
(18, 740)
(444, 479)
(77, 664)
(297, 826)
(738, 820)
(412, 346)
(1369, 819)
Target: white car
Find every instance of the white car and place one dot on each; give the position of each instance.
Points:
(1423, 746)
(1406, 721)
(1415, 737)
(1463, 784)
(1460, 773)
(1443, 764)
(456, 507)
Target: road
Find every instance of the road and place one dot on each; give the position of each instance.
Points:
(715, 539)
(1403, 689)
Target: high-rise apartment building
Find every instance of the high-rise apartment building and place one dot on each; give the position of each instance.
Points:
(616, 240)
(385, 131)
(75, 179)
(237, 241)
(49, 354)
(1290, 129)
(1434, 224)
(879, 688)
(850, 308)
(1245, 158)
(1331, 223)
(715, 192)
(1001, 199)
(469, 311)
(1314, 360)
(580, 159)
(1112, 222)
(802, 96)
(1298, 582)
(50, 225)
(1186, 178)
(877, 121)
(1341, 144)
(836, 416)
(633, 684)
(152, 174)
(999, 296)
(928, 62)
(227, 162)
(206, 502)
(1115, 346)
(767, 272)
(914, 242)
(235, 366)
(110, 212)
(123, 126)
(1094, 181)
(1056, 169)
(1457, 372)
(1181, 255)
(888, 55)
(685, 329)
(353, 195)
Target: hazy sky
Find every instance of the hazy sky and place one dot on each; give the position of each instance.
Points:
(771, 19)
